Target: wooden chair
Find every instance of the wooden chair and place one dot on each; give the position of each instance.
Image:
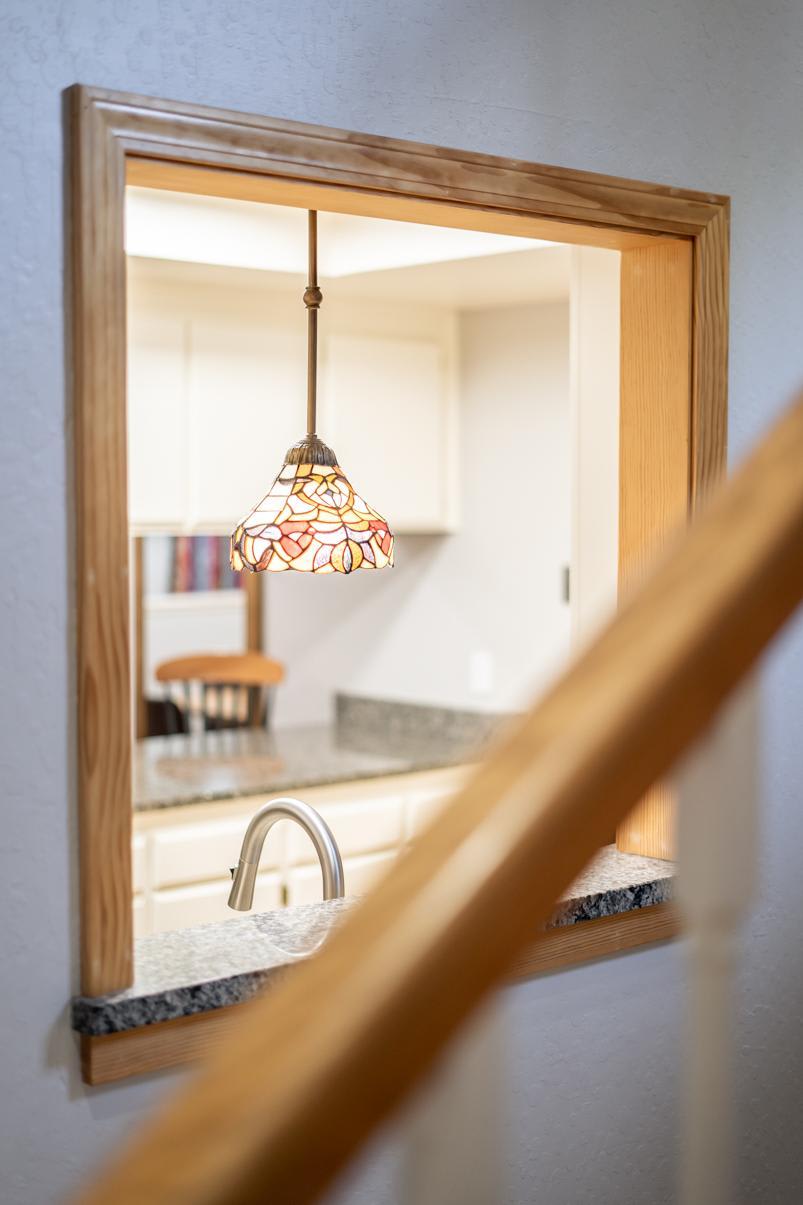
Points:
(219, 690)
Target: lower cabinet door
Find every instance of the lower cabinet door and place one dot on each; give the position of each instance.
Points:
(203, 903)
(142, 925)
(359, 827)
(423, 806)
(139, 862)
(304, 885)
(203, 851)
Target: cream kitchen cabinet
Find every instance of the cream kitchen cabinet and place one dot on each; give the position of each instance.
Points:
(158, 420)
(142, 924)
(216, 395)
(202, 903)
(304, 882)
(363, 817)
(139, 879)
(205, 400)
(199, 852)
(182, 855)
(246, 393)
(139, 862)
(389, 410)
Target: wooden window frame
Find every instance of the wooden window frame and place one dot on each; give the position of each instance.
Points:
(674, 329)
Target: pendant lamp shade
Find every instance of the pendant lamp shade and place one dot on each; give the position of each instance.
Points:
(312, 519)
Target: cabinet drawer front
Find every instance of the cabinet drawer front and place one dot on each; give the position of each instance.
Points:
(181, 907)
(141, 921)
(363, 873)
(359, 828)
(192, 853)
(304, 884)
(139, 862)
(423, 807)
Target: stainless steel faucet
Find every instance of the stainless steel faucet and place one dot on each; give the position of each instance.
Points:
(319, 832)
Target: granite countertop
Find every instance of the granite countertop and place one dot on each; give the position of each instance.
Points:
(212, 966)
(173, 770)
(370, 738)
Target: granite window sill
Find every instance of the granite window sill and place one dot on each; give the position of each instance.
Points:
(210, 967)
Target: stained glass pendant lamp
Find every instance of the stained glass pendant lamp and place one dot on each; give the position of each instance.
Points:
(312, 519)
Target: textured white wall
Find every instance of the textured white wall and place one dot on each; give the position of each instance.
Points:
(706, 94)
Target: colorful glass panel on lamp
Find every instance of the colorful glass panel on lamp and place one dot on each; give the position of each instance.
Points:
(312, 520)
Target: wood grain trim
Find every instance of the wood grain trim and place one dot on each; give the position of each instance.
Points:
(256, 133)
(655, 402)
(153, 1047)
(140, 701)
(655, 434)
(571, 945)
(276, 190)
(187, 1039)
(709, 419)
(170, 130)
(101, 552)
(444, 925)
(110, 130)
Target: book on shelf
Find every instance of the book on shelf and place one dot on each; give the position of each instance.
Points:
(186, 564)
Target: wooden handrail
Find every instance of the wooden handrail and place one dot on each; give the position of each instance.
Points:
(320, 1059)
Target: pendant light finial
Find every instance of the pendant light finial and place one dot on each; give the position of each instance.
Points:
(312, 519)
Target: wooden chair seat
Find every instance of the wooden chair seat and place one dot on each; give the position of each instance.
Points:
(219, 690)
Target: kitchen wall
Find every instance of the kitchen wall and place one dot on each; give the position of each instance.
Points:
(475, 619)
(705, 94)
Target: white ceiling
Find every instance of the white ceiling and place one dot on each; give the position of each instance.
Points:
(512, 278)
(358, 256)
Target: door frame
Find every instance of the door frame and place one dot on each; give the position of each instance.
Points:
(673, 405)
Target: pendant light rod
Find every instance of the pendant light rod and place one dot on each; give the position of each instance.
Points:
(311, 499)
(312, 300)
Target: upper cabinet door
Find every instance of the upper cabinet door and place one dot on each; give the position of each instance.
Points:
(217, 394)
(389, 412)
(247, 405)
(157, 415)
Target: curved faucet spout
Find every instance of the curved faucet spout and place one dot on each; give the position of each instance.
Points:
(244, 874)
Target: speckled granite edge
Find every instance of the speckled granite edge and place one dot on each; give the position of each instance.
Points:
(383, 724)
(197, 970)
(612, 903)
(102, 1015)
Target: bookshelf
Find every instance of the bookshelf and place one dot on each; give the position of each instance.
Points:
(169, 622)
